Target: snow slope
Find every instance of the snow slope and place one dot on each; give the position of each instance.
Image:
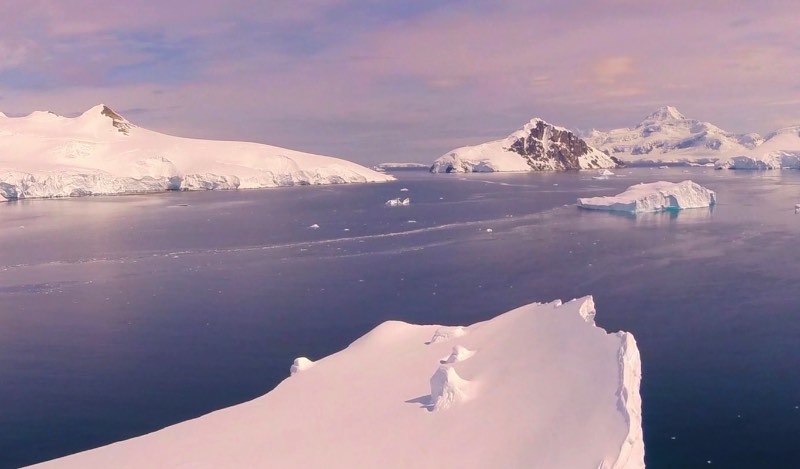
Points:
(654, 197)
(539, 386)
(538, 146)
(101, 152)
(781, 149)
(667, 136)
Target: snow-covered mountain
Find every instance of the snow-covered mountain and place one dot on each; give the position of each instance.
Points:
(101, 152)
(538, 146)
(539, 386)
(780, 149)
(667, 136)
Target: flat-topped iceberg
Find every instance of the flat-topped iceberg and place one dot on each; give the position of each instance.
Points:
(538, 386)
(101, 152)
(654, 197)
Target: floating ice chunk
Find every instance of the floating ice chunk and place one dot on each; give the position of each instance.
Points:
(654, 197)
(405, 189)
(459, 354)
(398, 202)
(300, 364)
(443, 334)
(447, 388)
(314, 226)
(489, 230)
(605, 172)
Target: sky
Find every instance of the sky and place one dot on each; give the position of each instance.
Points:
(377, 80)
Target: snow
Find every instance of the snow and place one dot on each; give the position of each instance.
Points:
(398, 202)
(654, 197)
(300, 364)
(543, 387)
(499, 155)
(385, 166)
(101, 152)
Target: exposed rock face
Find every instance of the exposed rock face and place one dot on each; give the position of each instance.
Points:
(547, 145)
(538, 146)
(119, 122)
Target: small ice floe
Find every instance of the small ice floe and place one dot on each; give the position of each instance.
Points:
(398, 202)
(663, 167)
(405, 189)
(489, 230)
(411, 221)
(603, 174)
(300, 364)
(347, 229)
(314, 227)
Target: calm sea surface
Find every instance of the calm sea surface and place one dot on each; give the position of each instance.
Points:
(122, 315)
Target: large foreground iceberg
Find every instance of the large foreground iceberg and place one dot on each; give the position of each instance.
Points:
(654, 197)
(539, 386)
(101, 152)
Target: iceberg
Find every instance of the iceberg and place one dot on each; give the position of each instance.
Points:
(654, 197)
(538, 386)
(102, 153)
(398, 202)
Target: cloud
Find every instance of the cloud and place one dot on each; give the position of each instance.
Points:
(610, 70)
(381, 79)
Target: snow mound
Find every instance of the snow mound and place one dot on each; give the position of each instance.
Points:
(300, 364)
(556, 391)
(537, 146)
(443, 334)
(459, 354)
(447, 388)
(398, 202)
(101, 152)
(654, 197)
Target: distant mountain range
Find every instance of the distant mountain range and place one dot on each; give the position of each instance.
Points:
(101, 152)
(664, 137)
(668, 137)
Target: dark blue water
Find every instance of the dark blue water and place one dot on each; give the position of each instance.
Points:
(121, 315)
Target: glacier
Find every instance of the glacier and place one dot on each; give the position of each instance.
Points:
(102, 153)
(537, 146)
(554, 390)
(654, 197)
